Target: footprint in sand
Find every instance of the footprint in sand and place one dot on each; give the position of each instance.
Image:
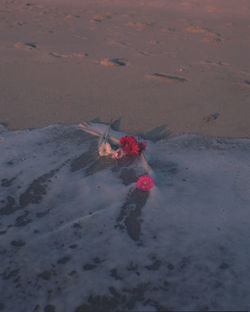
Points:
(70, 16)
(66, 56)
(139, 25)
(166, 77)
(118, 43)
(245, 84)
(25, 45)
(168, 29)
(214, 63)
(212, 37)
(215, 41)
(211, 117)
(100, 18)
(201, 30)
(97, 19)
(114, 62)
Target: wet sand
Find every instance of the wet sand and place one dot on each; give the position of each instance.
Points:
(174, 67)
(76, 235)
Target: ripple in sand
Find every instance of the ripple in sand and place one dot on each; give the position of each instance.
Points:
(212, 37)
(139, 25)
(97, 19)
(166, 77)
(244, 84)
(212, 40)
(25, 45)
(100, 18)
(200, 30)
(65, 56)
(114, 62)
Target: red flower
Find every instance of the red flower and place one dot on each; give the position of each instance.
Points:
(145, 183)
(129, 145)
(142, 146)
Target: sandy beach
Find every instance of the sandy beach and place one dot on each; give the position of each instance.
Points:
(78, 233)
(179, 65)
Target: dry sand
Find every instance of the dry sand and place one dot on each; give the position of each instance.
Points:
(174, 65)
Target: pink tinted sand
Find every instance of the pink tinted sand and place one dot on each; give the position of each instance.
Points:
(179, 64)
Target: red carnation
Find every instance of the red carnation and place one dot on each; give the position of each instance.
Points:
(145, 183)
(129, 145)
(142, 146)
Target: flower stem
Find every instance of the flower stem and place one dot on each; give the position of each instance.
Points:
(87, 127)
(147, 167)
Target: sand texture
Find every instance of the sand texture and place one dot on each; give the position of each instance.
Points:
(77, 236)
(169, 63)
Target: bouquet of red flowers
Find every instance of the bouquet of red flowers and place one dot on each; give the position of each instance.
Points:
(131, 147)
(127, 146)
